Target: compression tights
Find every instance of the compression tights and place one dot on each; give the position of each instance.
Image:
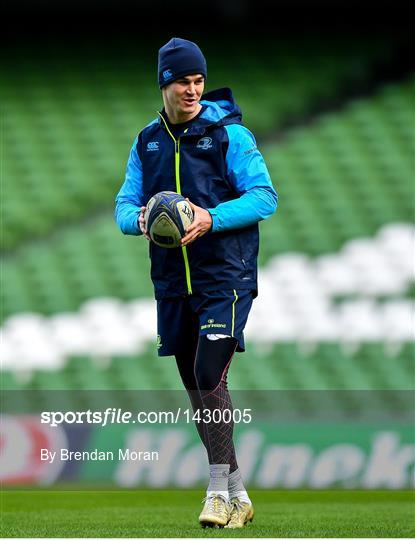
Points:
(204, 375)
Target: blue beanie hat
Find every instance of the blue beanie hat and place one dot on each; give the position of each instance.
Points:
(178, 58)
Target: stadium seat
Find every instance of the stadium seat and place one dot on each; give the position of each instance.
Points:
(335, 274)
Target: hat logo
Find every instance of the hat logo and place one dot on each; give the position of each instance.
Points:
(204, 143)
(167, 74)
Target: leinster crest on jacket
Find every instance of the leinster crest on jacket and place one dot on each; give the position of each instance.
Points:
(204, 143)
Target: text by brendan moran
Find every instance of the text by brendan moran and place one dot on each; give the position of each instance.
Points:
(123, 454)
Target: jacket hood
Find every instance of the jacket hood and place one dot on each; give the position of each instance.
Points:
(221, 108)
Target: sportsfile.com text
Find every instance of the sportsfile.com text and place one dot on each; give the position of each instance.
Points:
(113, 415)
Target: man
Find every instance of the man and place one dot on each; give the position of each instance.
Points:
(204, 290)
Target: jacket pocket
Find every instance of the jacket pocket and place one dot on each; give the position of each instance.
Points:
(242, 256)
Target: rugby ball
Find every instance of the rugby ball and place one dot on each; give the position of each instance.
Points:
(167, 217)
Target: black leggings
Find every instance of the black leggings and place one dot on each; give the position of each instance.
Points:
(204, 375)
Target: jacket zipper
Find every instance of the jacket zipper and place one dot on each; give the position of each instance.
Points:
(178, 190)
(241, 254)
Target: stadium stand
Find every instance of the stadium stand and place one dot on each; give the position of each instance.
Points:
(330, 193)
(68, 128)
(347, 333)
(334, 265)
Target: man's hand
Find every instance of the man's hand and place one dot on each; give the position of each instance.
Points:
(202, 223)
(142, 223)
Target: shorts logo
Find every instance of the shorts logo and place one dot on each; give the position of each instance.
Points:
(152, 146)
(158, 342)
(211, 324)
(167, 74)
(204, 143)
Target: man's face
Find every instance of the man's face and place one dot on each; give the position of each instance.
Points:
(182, 96)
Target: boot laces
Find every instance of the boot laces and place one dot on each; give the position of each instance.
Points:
(215, 502)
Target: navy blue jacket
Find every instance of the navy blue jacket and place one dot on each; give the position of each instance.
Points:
(217, 165)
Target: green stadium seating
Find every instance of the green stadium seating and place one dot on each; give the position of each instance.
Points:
(285, 367)
(331, 189)
(325, 380)
(67, 133)
(339, 177)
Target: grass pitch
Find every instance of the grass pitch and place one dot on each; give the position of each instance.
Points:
(174, 514)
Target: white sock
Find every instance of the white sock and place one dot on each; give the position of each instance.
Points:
(242, 496)
(224, 494)
(236, 487)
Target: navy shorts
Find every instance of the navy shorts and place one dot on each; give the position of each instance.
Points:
(181, 320)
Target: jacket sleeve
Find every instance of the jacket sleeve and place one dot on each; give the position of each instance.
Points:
(249, 175)
(130, 197)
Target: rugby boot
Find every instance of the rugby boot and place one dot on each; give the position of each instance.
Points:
(216, 511)
(241, 513)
